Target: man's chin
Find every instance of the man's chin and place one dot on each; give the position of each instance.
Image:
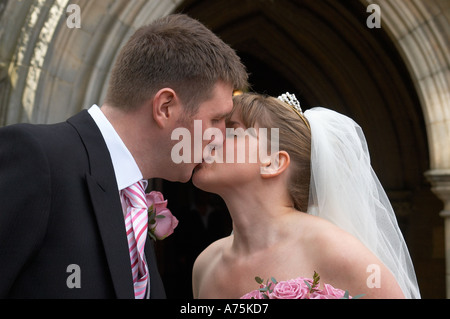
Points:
(183, 178)
(189, 174)
(184, 175)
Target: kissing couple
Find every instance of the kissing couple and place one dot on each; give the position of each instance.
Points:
(73, 194)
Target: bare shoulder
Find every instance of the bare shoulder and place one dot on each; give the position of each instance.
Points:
(211, 252)
(205, 262)
(346, 263)
(328, 236)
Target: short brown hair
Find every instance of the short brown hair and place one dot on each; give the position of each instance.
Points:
(294, 138)
(174, 51)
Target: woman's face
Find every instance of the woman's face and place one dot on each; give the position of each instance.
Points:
(235, 164)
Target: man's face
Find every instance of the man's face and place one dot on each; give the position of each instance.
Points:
(211, 114)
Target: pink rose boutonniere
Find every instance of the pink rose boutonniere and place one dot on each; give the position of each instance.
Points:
(161, 222)
(299, 288)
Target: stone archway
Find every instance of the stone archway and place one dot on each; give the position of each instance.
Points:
(420, 31)
(49, 71)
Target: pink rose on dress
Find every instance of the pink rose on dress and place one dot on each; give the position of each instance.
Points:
(291, 289)
(299, 288)
(329, 290)
(321, 295)
(161, 221)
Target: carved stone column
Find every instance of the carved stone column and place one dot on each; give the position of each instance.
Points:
(440, 181)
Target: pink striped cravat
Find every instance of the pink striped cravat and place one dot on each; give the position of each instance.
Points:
(136, 223)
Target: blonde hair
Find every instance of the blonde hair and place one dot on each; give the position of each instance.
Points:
(294, 138)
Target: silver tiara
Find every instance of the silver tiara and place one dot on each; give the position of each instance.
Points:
(291, 100)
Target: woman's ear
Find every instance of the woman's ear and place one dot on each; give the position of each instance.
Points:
(277, 164)
(163, 103)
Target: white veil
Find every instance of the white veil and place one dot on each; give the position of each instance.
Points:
(345, 190)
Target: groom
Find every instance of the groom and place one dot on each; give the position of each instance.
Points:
(62, 213)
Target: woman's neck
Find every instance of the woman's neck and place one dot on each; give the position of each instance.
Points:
(258, 219)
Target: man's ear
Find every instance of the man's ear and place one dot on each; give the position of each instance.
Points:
(277, 164)
(163, 105)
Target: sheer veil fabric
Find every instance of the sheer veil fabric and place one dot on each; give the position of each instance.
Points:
(345, 190)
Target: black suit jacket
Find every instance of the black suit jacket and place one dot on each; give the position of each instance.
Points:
(59, 206)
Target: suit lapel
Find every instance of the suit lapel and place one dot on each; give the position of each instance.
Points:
(102, 187)
(157, 290)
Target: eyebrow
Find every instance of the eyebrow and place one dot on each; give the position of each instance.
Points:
(223, 115)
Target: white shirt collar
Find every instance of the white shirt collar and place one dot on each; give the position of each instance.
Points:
(125, 167)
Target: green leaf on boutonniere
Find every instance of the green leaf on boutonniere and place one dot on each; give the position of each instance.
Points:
(259, 280)
(151, 215)
(151, 235)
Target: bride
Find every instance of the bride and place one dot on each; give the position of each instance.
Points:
(315, 206)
